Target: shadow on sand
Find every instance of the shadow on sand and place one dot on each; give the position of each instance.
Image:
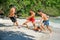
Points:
(3, 25)
(10, 35)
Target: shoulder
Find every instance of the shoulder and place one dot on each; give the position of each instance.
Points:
(34, 14)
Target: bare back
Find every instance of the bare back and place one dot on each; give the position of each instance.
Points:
(44, 16)
(12, 12)
(32, 15)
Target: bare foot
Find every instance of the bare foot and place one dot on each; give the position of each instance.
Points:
(19, 26)
(39, 30)
(35, 28)
(51, 34)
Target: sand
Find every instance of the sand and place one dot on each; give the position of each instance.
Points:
(10, 32)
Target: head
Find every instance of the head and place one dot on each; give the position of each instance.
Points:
(31, 11)
(12, 6)
(40, 12)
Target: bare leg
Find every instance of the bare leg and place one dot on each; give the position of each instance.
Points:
(49, 28)
(42, 27)
(39, 29)
(35, 27)
(26, 24)
(15, 23)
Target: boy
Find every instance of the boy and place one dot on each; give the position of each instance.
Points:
(44, 21)
(12, 15)
(31, 18)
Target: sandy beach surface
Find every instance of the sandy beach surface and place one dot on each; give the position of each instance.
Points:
(10, 32)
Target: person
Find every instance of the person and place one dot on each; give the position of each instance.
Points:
(44, 21)
(31, 19)
(1, 14)
(12, 15)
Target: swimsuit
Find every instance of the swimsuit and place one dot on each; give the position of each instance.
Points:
(13, 19)
(46, 22)
(32, 19)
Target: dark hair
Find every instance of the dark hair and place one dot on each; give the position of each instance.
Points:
(12, 5)
(31, 10)
(39, 10)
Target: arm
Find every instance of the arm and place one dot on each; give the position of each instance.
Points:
(41, 20)
(47, 16)
(31, 16)
(16, 16)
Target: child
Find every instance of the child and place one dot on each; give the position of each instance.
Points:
(31, 19)
(12, 15)
(44, 21)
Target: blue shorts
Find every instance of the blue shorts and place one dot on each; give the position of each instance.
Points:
(46, 22)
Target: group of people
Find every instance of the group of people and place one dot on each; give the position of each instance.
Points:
(43, 22)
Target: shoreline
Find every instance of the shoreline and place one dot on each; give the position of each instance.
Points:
(8, 33)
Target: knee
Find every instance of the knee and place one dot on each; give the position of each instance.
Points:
(24, 23)
(47, 26)
(33, 24)
(41, 25)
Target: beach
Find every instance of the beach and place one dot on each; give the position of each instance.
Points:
(9, 32)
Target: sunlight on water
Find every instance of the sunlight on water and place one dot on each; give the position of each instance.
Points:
(55, 20)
